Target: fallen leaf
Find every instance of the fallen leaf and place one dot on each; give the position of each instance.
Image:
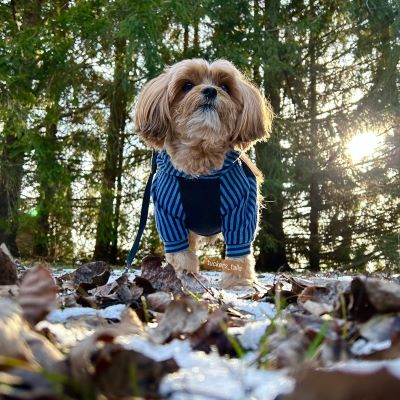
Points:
(384, 295)
(38, 293)
(127, 291)
(316, 308)
(277, 292)
(22, 383)
(182, 316)
(91, 275)
(8, 269)
(161, 278)
(144, 284)
(343, 385)
(12, 325)
(158, 301)
(211, 334)
(358, 304)
(19, 341)
(121, 373)
(99, 364)
(130, 323)
(44, 352)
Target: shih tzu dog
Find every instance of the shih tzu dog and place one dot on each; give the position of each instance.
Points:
(201, 116)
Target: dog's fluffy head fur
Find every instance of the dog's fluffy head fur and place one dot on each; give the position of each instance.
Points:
(196, 111)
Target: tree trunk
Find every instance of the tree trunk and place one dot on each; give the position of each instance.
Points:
(114, 240)
(271, 238)
(12, 159)
(315, 194)
(49, 184)
(12, 153)
(186, 39)
(106, 234)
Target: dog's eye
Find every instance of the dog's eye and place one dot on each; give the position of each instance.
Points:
(225, 88)
(188, 86)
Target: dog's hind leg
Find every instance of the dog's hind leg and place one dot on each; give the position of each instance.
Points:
(245, 279)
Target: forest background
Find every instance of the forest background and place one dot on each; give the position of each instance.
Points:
(72, 170)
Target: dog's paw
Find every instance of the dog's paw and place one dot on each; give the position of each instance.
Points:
(233, 281)
(245, 280)
(183, 261)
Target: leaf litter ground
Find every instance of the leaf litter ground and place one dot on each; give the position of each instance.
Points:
(94, 333)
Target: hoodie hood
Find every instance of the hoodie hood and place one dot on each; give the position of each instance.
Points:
(165, 165)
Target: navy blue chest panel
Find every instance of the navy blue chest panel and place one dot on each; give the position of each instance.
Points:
(201, 204)
(201, 201)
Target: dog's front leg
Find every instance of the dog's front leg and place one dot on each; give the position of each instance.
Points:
(183, 261)
(243, 280)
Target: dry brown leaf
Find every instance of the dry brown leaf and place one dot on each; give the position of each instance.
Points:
(341, 385)
(100, 364)
(25, 384)
(379, 328)
(38, 292)
(44, 352)
(314, 293)
(18, 340)
(12, 326)
(80, 357)
(120, 291)
(182, 316)
(212, 334)
(8, 269)
(161, 278)
(316, 308)
(91, 275)
(105, 290)
(122, 373)
(298, 284)
(368, 296)
(383, 295)
(130, 323)
(158, 301)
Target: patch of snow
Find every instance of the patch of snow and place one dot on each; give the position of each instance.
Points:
(364, 367)
(158, 352)
(112, 312)
(267, 279)
(250, 335)
(209, 376)
(364, 347)
(259, 310)
(67, 337)
(73, 312)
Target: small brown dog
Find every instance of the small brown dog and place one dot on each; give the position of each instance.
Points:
(201, 116)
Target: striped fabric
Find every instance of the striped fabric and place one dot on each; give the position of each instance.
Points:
(237, 204)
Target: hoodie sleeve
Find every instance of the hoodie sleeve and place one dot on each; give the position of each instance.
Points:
(239, 209)
(169, 214)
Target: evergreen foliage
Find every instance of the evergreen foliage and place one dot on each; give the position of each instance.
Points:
(72, 170)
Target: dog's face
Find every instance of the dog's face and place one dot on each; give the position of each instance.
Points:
(197, 103)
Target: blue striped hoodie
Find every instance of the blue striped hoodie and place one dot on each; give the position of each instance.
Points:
(224, 201)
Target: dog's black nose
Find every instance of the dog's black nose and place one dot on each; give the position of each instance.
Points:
(209, 92)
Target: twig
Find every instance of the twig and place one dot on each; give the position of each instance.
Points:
(204, 287)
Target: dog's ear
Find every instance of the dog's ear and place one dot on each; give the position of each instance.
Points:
(152, 118)
(255, 120)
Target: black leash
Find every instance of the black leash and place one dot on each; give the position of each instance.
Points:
(143, 213)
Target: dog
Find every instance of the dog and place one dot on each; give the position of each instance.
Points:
(201, 117)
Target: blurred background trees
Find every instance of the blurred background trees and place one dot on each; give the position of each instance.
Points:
(72, 170)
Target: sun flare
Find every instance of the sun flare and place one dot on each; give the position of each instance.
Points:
(363, 145)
